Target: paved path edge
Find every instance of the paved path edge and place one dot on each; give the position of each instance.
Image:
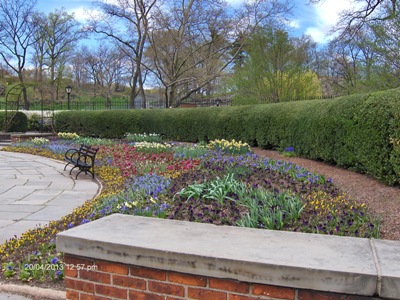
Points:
(31, 291)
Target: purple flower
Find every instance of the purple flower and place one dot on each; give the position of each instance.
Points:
(54, 260)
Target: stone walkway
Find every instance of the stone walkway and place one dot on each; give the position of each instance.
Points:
(35, 190)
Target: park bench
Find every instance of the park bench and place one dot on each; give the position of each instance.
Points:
(81, 158)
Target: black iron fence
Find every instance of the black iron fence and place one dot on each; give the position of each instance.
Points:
(74, 104)
(121, 103)
(113, 104)
(219, 101)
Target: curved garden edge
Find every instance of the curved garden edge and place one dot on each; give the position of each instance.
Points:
(382, 200)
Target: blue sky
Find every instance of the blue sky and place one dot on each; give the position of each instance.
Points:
(315, 20)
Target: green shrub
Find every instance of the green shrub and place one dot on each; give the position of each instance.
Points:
(102, 124)
(361, 132)
(15, 122)
(34, 122)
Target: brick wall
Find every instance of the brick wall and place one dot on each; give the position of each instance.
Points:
(87, 279)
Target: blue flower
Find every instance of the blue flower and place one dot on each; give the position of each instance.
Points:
(54, 260)
(289, 149)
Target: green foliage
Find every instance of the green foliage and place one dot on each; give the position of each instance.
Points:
(274, 70)
(218, 189)
(8, 269)
(37, 265)
(15, 122)
(102, 124)
(34, 122)
(270, 211)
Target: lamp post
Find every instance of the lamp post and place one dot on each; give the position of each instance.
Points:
(68, 89)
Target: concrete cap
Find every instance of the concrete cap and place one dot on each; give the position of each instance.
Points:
(298, 260)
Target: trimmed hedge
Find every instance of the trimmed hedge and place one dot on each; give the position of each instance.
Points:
(361, 132)
(19, 122)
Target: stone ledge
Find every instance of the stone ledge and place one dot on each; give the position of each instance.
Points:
(305, 261)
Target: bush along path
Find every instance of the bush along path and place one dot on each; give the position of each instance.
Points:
(223, 182)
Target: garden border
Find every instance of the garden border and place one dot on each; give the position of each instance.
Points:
(151, 251)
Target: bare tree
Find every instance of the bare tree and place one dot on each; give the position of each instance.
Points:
(192, 41)
(110, 61)
(17, 35)
(39, 52)
(104, 67)
(90, 63)
(80, 74)
(126, 23)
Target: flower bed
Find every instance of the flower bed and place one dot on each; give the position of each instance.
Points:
(219, 183)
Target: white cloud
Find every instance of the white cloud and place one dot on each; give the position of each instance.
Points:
(327, 15)
(83, 14)
(235, 2)
(294, 24)
(317, 34)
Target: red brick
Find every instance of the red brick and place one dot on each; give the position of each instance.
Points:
(91, 297)
(242, 297)
(137, 295)
(111, 291)
(69, 272)
(315, 295)
(71, 295)
(166, 288)
(173, 298)
(229, 285)
(133, 283)
(112, 267)
(78, 285)
(203, 294)
(94, 276)
(187, 279)
(273, 291)
(74, 262)
(148, 273)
